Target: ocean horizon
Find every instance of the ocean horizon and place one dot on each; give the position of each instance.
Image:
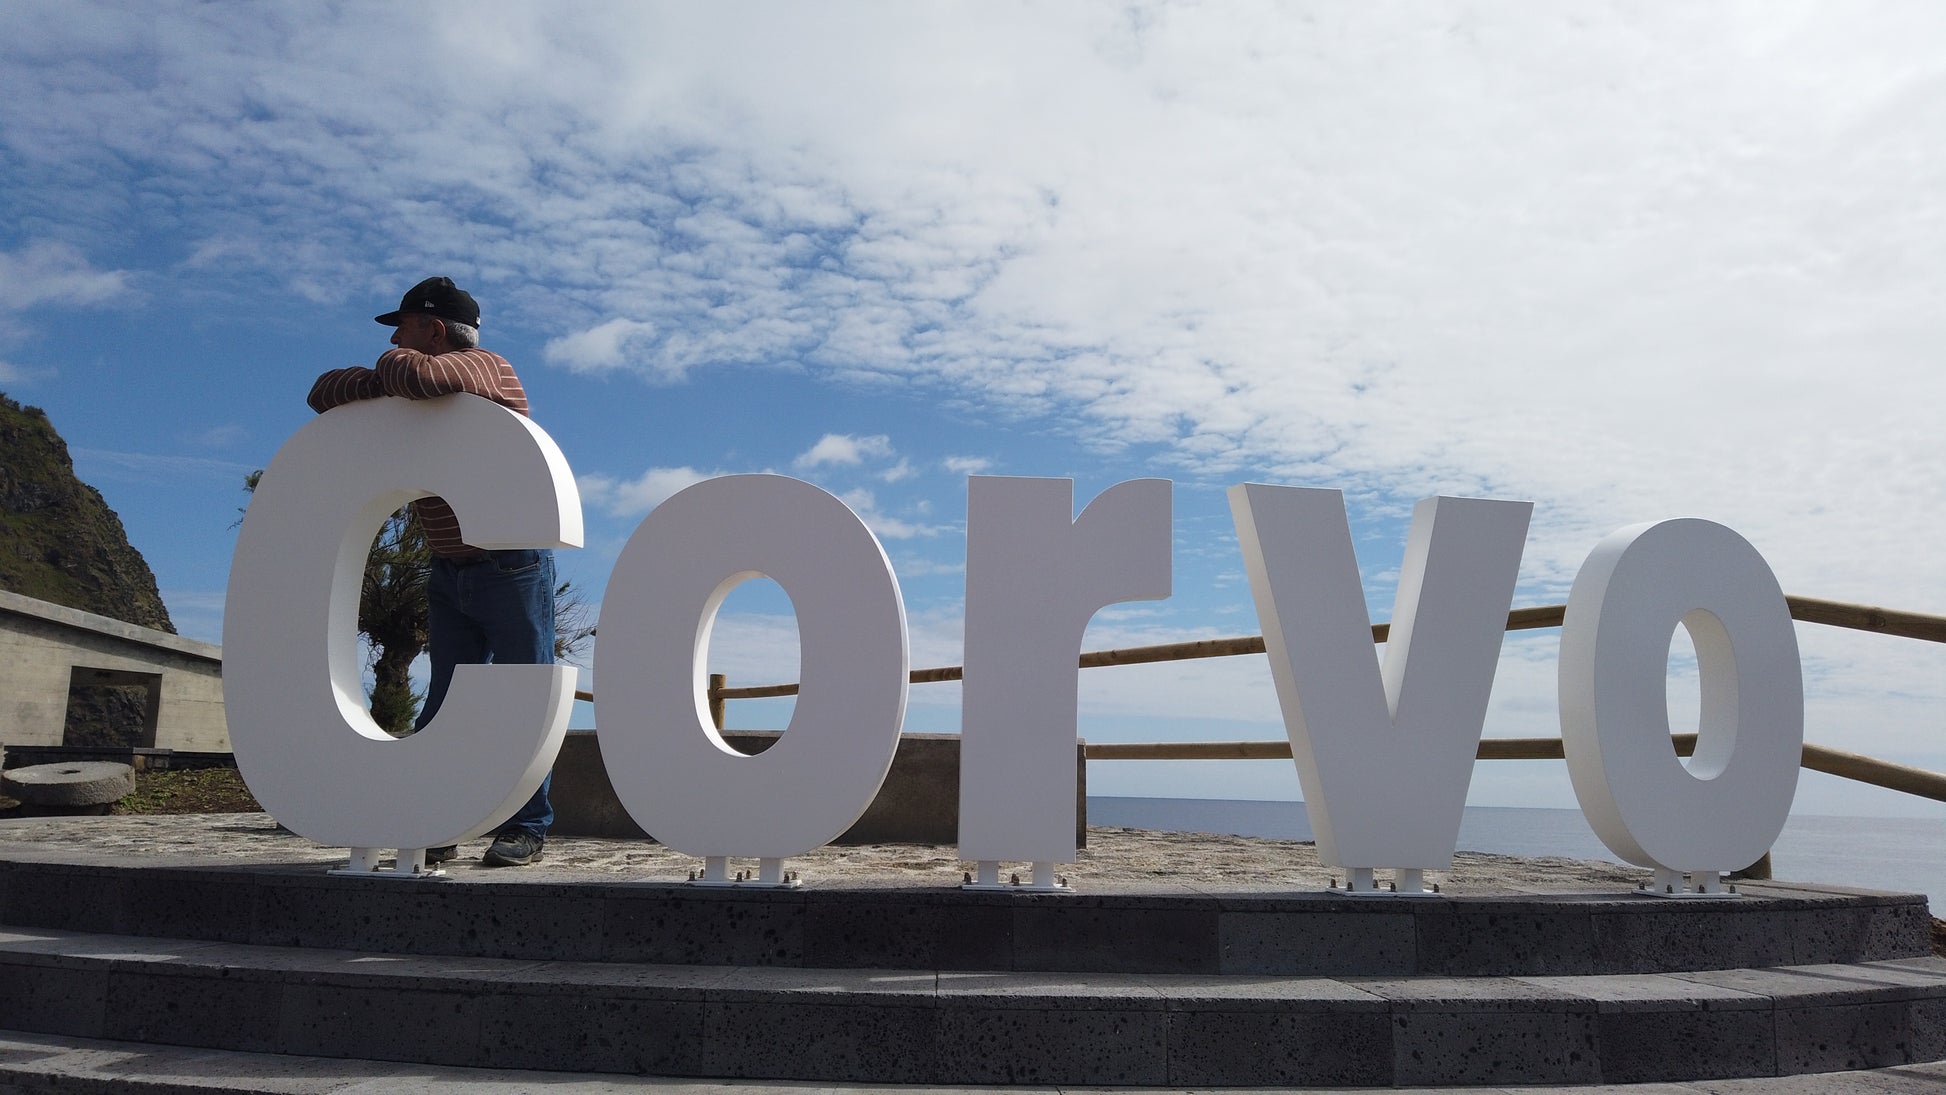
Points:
(1898, 854)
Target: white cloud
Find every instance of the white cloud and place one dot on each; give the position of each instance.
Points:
(197, 613)
(754, 650)
(864, 503)
(923, 567)
(608, 346)
(49, 272)
(835, 449)
(220, 437)
(897, 473)
(893, 528)
(148, 467)
(1629, 261)
(12, 373)
(634, 497)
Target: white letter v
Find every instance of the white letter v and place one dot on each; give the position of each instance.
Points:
(1384, 758)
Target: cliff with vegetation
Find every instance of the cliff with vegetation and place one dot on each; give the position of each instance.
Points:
(59, 541)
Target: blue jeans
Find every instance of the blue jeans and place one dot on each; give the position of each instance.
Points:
(499, 609)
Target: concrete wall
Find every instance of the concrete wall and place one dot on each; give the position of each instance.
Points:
(42, 646)
(917, 804)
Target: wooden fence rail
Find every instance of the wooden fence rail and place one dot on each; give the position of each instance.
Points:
(1818, 758)
(1853, 766)
(1885, 621)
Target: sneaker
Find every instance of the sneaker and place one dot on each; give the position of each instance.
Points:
(513, 848)
(436, 856)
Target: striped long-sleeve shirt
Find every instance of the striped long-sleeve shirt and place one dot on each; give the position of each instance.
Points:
(413, 375)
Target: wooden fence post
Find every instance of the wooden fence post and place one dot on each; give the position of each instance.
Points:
(717, 681)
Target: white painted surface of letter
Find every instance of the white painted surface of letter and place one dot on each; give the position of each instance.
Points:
(1725, 809)
(292, 689)
(672, 771)
(1035, 576)
(1384, 756)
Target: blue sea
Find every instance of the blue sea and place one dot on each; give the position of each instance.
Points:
(1903, 854)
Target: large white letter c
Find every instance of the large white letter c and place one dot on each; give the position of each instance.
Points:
(306, 745)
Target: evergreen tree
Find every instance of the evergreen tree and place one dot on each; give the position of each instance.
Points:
(392, 617)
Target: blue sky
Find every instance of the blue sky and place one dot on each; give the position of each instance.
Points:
(1627, 261)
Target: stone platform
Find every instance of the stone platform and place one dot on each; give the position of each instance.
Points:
(1129, 982)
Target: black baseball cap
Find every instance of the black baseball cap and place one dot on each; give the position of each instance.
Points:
(439, 298)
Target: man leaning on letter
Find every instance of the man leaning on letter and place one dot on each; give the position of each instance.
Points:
(484, 606)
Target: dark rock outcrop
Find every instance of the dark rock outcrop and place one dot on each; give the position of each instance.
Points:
(59, 541)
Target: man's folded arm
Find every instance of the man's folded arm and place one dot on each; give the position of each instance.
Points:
(341, 386)
(414, 375)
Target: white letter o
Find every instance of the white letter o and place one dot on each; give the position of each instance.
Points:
(671, 770)
(1725, 810)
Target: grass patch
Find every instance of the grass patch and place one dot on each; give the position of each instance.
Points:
(176, 791)
(188, 791)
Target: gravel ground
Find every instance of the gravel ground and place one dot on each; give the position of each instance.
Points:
(1115, 858)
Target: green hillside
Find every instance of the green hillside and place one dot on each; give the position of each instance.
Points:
(59, 541)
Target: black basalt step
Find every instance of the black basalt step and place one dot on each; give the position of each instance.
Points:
(920, 1026)
(1181, 931)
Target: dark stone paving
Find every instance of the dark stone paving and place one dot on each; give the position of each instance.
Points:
(33, 1064)
(117, 964)
(1292, 934)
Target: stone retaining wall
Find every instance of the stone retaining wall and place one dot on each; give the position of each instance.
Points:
(46, 648)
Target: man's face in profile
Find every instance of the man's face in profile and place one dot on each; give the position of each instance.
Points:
(419, 333)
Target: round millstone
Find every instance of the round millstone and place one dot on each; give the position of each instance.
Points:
(80, 783)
